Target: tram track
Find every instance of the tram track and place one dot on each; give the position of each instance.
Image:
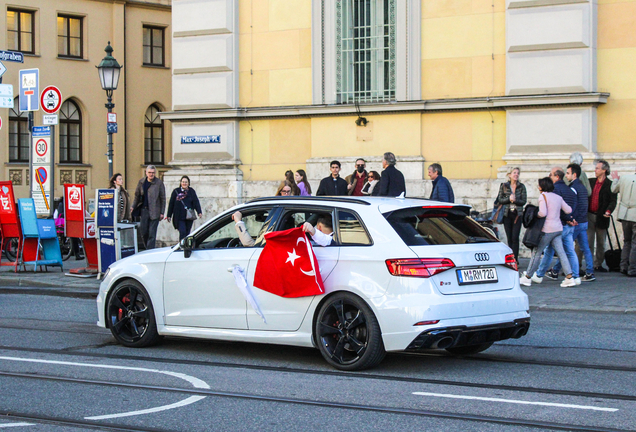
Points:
(290, 401)
(331, 373)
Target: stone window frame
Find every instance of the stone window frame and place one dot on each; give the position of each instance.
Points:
(408, 61)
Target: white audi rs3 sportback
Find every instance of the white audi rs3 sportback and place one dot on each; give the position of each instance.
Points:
(399, 275)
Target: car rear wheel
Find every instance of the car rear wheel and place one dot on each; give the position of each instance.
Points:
(348, 334)
(130, 315)
(469, 349)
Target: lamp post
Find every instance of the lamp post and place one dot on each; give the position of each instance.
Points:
(108, 71)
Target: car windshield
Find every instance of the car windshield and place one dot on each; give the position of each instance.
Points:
(419, 226)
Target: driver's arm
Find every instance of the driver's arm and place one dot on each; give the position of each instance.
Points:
(244, 236)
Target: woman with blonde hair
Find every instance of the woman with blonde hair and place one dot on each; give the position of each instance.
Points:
(285, 189)
(123, 209)
(512, 197)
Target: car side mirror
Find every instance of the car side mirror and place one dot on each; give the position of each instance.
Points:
(187, 244)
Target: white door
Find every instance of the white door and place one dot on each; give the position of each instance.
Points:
(200, 291)
(281, 313)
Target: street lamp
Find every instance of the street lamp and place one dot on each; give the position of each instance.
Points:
(109, 71)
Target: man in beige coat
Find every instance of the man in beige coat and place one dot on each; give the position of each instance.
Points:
(626, 185)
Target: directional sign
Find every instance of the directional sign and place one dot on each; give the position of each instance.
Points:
(111, 127)
(51, 99)
(12, 56)
(6, 96)
(3, 69)
(29, 89)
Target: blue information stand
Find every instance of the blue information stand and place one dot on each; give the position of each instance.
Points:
(44, 231)
(115, 240)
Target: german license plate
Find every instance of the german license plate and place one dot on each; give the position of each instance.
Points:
(477, 275)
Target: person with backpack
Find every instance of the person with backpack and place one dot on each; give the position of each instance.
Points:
(550, 207)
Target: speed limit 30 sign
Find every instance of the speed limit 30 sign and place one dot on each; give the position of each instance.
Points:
(51, 99)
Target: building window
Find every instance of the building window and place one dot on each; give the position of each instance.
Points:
(153, 45)
(153, 143)
(69, 36)
(20, 33)
(18, 134)
(70, 133)
(365, 51)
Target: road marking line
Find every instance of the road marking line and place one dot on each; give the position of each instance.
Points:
(7, 425)
(184, 402)
(514, 401)
(196, 382)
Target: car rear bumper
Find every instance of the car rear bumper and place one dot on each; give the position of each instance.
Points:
(459, 336)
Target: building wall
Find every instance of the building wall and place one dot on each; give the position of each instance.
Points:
(118, 22)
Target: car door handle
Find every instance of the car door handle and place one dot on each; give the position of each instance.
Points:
(231, 269)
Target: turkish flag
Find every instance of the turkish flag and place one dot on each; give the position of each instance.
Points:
(287, 266)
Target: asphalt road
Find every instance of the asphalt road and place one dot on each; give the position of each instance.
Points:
(60, 372)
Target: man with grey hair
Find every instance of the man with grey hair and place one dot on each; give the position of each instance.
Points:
(150, 200)
(602, 203)
(442, 189)
(626, 185)
(577, 158)
(392, 181)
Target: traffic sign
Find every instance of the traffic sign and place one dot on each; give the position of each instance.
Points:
(111, 117)
(50, 119)
(41, 147)
(111, 127)
(29, 89)
(51, 99)
(6, 96)
(3, 69)
(41, 154)
(12, 56)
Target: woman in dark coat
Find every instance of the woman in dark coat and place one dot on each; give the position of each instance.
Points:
(512, 196)
(182, 199)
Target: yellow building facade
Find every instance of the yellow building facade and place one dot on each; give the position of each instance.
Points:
(65, 40)
(477, 86)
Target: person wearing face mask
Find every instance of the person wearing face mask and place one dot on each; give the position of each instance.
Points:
(357, 180)
(369, 188)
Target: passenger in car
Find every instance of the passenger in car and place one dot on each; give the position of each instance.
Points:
(322, 233)
(245, 237)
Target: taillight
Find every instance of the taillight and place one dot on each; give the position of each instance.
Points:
(511, 262)
(418, 267)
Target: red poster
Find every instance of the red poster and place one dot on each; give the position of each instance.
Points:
(8, 215)
(74, 201)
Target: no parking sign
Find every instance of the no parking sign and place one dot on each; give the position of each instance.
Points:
(41, 184)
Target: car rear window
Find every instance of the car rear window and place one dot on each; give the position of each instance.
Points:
(419, 226)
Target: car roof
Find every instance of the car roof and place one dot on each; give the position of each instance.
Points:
(385, 204)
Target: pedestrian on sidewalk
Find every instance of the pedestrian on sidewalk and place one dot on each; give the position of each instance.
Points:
(392, 183)
(285, 189)
(371, 187)
(334, 185)
(357, 179)
(550, 207)
(290, 177)
(580, 216)
(184, 207)
(300, 178)
(626, 185)
(442, 189)
(577, 158)
(123, 208)
(602, 203)
(149, 202)
(568, 222)
(513, 196)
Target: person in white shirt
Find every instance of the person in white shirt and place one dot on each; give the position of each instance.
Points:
(322, 233)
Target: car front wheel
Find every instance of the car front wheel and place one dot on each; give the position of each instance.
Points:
(130, 315)
(348, 334)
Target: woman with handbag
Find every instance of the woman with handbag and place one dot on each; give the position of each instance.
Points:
(550, 206)
(511, 199)
(184, 207)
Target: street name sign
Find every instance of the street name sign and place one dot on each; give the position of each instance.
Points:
(29, 89)
(12, 56)
(51, 99)
(201, 139)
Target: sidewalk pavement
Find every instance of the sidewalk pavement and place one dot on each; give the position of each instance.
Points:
(611, 292)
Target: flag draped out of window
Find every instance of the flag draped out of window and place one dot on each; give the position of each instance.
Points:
(241, 283)
(287, 266)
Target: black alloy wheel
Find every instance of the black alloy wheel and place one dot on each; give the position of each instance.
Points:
(130, 315)
(348, 334)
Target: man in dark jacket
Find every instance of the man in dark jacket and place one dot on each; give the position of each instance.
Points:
(392, 182)
(333, 185)
(568, 195)
(580, 216)
(357, 180)
(442, 189)
(150, 196)
(602, 203)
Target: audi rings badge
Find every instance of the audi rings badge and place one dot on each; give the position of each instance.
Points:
(482, 256)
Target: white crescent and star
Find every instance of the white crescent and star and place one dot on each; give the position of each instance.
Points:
(292, 257)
